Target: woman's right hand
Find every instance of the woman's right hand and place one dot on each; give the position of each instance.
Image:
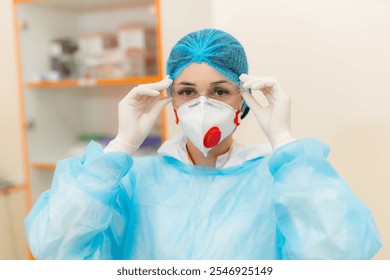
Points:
(138, 112)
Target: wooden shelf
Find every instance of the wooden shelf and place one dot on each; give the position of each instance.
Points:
(78, 5)
(26, 1)
(43, 165)
(94, 82)
(44, 84)
(12, 189)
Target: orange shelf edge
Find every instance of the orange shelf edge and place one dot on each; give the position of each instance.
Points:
(26, 1)
(13, 189)
(62, 83)
(94, 82)
(43, 165)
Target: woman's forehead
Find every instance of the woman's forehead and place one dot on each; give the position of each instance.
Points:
(201, 74)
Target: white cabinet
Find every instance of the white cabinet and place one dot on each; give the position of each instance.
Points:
(71, 95)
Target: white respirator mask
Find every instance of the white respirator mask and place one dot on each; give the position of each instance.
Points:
(207, 122)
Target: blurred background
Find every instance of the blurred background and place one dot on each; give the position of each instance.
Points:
(65, 64)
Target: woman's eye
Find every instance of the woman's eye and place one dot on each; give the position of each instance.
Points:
(221, 92)
(187, 91)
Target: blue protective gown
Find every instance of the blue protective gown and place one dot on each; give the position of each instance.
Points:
(289, 205)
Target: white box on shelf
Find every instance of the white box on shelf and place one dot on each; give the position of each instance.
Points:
(135, 62)
(133, 36)
(139, 43)
(97, 43)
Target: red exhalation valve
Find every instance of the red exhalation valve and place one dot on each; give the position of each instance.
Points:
(212, 137)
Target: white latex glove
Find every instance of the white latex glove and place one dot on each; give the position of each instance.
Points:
(275, 119)
(138, 112)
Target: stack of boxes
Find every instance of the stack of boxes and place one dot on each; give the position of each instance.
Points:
(130, 52)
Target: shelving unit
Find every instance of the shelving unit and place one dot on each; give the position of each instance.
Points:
(58, 111)
(93, 82)
(12, 189)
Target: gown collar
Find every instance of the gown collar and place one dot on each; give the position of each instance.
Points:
(237, 155)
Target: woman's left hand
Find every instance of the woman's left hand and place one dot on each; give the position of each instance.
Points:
(275, 119)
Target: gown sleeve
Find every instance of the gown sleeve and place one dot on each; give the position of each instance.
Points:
(83, 215)
(318, 216)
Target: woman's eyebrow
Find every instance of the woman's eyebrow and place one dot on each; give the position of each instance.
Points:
(218, 82)
(187, 84)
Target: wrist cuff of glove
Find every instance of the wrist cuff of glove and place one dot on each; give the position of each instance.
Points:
(118, 145)
(282, 139)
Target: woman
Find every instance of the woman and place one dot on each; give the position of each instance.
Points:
(203, 197)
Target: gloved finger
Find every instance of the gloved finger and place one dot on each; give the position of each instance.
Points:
(157, 107)
(245, 77)
(271, 89)
(150, 102)
(261, 113)
(260, 83)
(276, 93)
(144, 91)
(249, 83)
(251, 101)
(161, 85)
(269, 86)
(137, 93)
(257, 84)
(265, 87)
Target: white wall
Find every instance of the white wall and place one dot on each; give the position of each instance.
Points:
(10, 141)
(332, 58)
(12, 210)
(13, 244)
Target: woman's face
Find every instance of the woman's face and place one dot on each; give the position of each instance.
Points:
(203, 80)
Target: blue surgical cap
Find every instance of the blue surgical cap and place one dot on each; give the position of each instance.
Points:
(215, 47)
